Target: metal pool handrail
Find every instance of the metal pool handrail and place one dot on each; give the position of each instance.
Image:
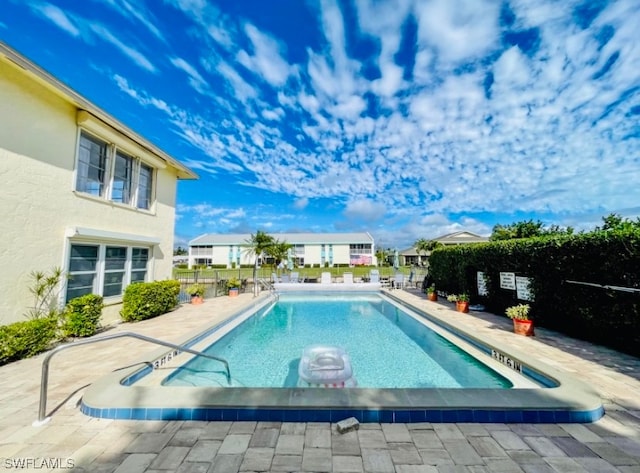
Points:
(42, 419)
(269, 286)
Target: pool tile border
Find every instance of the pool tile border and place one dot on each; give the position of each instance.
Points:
(335, 415)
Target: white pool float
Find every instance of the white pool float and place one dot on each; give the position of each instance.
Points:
(325, 366)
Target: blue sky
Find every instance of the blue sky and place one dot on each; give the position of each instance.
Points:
(408, 119)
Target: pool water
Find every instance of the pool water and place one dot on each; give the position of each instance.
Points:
(388, 347)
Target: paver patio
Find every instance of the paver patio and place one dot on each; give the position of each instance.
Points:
(72, 441)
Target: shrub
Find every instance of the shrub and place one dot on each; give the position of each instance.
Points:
(518, 312)
(233, 283)
(45, 287)
(574, 281)
(196, 290)
(145, 300)
(24, 339)
(82, 316)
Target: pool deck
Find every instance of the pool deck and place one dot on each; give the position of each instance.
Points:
(610, 444)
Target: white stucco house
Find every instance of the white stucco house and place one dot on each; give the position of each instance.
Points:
(312, 249)
(79, 191)
(410, 256)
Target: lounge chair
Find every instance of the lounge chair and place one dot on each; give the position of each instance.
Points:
(347, 278)
(326, 278)
(398, 281)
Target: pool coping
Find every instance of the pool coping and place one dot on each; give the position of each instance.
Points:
(570, 401)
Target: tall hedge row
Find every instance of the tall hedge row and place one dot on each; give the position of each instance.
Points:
(609, 258)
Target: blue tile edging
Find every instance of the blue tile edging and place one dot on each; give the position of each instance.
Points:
(335, 415)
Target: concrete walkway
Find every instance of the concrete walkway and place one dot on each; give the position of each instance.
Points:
(72, 441)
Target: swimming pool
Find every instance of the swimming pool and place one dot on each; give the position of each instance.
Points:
(386, 347)
(549, 396)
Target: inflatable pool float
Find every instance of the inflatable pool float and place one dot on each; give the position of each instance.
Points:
(325, 366)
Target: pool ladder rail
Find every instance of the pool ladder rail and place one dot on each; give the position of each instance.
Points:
(42, 414)
(270, 287)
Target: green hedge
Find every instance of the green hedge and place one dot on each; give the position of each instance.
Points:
(82, 316)
(145, 300)
(609, 258)
(24, 339)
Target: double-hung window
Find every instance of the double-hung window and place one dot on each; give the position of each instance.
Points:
(105, 269)
(83, 270)
(106, 171)
(122, 178)
(93, 165)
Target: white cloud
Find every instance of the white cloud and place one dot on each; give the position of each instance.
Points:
(544, 137)
(195, 79)
(459, 30)
(267, 61)
(136, 13)
(364, 210)
(58, 17)
(301, 204)
(137, 57)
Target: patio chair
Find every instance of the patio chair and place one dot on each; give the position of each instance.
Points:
(285, 278)
(398, 281)
(347, 278)
(295, 277)
(326, 278)
(374, 276)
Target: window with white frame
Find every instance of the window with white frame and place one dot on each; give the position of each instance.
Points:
(105, 269)
(108, 172)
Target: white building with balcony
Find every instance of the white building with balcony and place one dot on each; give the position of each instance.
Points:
(308, 249)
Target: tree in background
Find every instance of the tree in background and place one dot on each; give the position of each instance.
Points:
(180, 252)
(257, 246)
(422, 245)
(382, 254)
(527, 229)
(279, 251)
(615, 222)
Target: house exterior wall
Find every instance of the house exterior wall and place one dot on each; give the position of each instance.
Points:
(41, 209)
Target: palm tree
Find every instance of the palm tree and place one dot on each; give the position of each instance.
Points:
(382, 255)
(422, 245)
(278, 251)
(257, 246)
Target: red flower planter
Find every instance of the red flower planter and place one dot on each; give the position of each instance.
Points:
(462, 306)
(523, 327)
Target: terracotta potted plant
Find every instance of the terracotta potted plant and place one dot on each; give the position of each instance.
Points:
(197, 293)
(234, 287)
(432, 295)
(522, 325)
(462, 303)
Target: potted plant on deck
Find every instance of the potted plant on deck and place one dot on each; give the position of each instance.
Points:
(522, 325)
(234, 287)
(197, 293)
(432, 295)
(462, 303)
